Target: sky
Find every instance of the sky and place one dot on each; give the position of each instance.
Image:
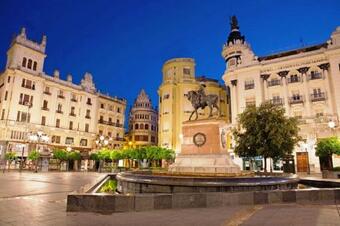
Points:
(124, 44)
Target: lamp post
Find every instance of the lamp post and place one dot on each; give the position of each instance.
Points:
(101, 142)
(331, 125)
(38, 137)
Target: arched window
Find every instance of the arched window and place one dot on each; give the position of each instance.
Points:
(141, 126)
(24, 60)
(147, 126)
(136, 126)
(29, 65)
(35, 66)
(152, 127)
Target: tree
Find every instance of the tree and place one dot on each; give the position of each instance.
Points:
(10, 157)
(73, 156)
(265, 131)
(34, 156)
(61, 155)
(325, 148)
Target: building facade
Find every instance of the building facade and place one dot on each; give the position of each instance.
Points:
(32, 101)
(174, 106)
(143, 122)
(305, 81)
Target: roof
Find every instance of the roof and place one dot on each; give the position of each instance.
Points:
(293, 52)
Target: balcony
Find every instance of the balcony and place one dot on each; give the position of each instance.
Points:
(88, 103)
(32, 87)
(88, 117)
(26, 103)
(277, 101)
(249, 86)
(294, 79)
(59, 111)
(110, 123)
(274, 82)
(318, 97)
(74, 100)
(47, 92)
(45, 109)
(61, 96)
(72, 114)
(314, 76)
(298, 99)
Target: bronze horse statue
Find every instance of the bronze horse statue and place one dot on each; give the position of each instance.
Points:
(200, 100)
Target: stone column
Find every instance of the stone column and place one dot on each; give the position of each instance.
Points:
(265, 86)
(328, 82)
(283, 75)
(234, 97)
(303, 71)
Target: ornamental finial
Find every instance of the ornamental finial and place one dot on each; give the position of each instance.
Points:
(234, 23)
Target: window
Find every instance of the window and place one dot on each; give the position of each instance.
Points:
(145, 138)
(147, 126)
(6, 94)
(141, 126)
(83, 142)
(118, 110)
(25, 99)
(9, 79)
(166, 96)
(35, 66)
(186, 71)
(118, 122)
(3, 114)
(72, 111)
(29, 65)
(71, 125)
(88, 101)
(319, 113)
(249, 84)
(102, 106)
(24, 61)
(110, 120)
(88, 112)
(56, 139)
(61, 94)
(73, 97)
(153, 139)
(69, 140)
(45, 105)
(109, 134)
(136, 126)
(43, 120)
(47, 90)
(87, 127)
(151, 127)
(28, 84)
(23, 116)
(59, 109)
(57, 123)
(297, 114)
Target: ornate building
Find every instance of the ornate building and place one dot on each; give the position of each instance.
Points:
(174, 106)
(143, 121)
(305, 81)
(68, 113)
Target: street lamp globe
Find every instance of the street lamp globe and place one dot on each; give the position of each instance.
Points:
(106, 142)
(68, 149)
(331, 124)
(101, 137)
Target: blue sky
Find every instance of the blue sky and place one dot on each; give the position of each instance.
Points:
(125, 43)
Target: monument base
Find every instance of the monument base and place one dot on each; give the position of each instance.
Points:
(204, 164)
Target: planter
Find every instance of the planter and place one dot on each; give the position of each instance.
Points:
(331, 174)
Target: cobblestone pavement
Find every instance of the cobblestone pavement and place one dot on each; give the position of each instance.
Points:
(40, 199)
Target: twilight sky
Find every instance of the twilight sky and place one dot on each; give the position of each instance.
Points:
(125, 43)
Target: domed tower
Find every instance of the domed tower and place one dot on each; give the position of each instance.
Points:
(236, 51)
(143, 121)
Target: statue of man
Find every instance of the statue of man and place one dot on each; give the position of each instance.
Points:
(201, 92)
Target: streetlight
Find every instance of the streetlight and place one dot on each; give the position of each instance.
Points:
(38, 137)
(102, 142)
(331, 125)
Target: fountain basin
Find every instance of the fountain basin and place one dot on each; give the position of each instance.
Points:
(150, 182)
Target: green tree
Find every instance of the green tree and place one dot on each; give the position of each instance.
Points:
(72, 157)
(34, 156)
(325, 148)
(61, 155)
(265, 131)
(10, 157)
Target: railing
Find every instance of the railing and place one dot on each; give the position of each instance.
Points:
(294, 79)
(45, 108)
(249, 86)
(274, 82)
(26, 103)
(28, 87)
(318, 97)
(59, 111)
(61, 96)
(88, 117)
(314, 76)
(110, 123)
(47, 92)
(88, 103)
(73, 100)
(277, 101)
(296, 100)
(72, 114)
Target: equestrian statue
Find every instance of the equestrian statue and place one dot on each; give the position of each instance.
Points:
(199, 100)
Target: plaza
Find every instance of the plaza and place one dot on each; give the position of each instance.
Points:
(40, 199)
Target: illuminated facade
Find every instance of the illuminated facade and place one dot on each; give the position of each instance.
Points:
(305, 81)
(174, 107)
(143, 122)
(31, 101)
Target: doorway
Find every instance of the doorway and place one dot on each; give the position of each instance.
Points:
(302, 161)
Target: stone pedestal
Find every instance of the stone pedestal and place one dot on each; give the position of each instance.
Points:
(204, 149)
